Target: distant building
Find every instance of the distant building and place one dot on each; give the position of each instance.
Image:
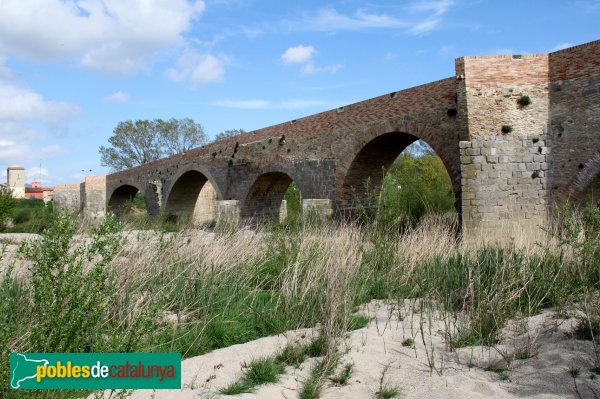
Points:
(36, 191)
(15, 176)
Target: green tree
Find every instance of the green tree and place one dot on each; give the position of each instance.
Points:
(7, 203)
(414, 186)
(229, 133)
(142, 141)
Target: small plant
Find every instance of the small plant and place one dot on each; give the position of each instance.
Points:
(282, 139)
(408, 343)
(317, 347)
(270, 141)
(314, 383)
(214, 154)
(524, 101)
(259, 372)
(357, 321)
(535, 174)
(292, 355)
(574, 372)
(506, 129)
(344, 376)
(387, 393)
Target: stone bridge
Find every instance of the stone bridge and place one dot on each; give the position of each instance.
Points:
(508, 161)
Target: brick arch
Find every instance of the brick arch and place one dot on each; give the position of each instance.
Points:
(264, 198)
(379, 146)
(193, 196)
(121, 196)
(195, 167)
(587, 177)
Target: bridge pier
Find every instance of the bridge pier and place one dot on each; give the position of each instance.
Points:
(228, 211)
(321, 207)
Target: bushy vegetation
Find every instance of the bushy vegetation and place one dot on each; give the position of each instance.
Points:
(414, 186)
(23, 215)
(191, 292)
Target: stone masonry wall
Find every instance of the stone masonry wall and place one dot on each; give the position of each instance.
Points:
(575, 121)
(504, 174)
(68, 197)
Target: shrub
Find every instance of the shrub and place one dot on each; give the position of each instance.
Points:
(524, 101)
(7, 203)
(506, 129)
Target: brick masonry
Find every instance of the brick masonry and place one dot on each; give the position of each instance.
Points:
(551, 154)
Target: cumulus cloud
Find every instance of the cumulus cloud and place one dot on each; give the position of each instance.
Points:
(298, 54)
(197, 68)
(20, 104)
(116, 98)
(107, 36)
(22, 111)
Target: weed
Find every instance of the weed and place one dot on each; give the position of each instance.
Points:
(260, 371)
(292, 355)
(387, 393)
(356, 322)
(506, 129)
(574, 372)
(524, 101)
(408, 343)
(344, 376)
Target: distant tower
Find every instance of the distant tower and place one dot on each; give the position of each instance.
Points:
(16, 181)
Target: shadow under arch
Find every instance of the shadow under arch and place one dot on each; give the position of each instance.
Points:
(586, 184)
(265, 199)
(367, 170)
(120, 202)
(192, 197)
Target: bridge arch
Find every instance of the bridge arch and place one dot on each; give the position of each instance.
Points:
(192, 197)
(364, 168)
(121, 197)
(586, 184)
(265, 198)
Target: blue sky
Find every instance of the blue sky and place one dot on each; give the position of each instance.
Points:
(71, 70)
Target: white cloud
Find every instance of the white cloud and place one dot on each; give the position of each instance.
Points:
(116, 98)
(310, 69)
(298, 54)
(197, 68)
(22, 111)
(20, 104)
(329, 19)
(419, 17)
(108, 36)
(561, 46)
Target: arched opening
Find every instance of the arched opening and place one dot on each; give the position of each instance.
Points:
(273, 196)
(192, 198)
(394, 179)
(591, 193)
(125, 200)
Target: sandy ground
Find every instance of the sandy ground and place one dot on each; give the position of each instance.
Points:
(379, 358)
